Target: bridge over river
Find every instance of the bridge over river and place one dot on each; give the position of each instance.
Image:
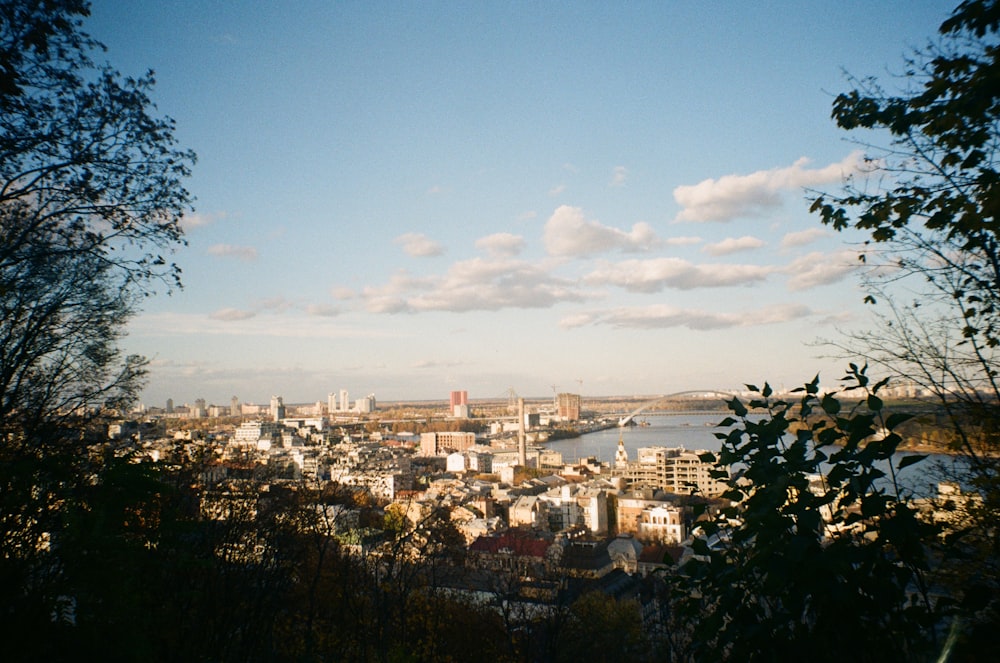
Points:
(627, 419)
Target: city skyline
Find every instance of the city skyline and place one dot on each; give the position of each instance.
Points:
(411, 199)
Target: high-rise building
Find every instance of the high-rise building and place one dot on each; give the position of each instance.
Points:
(234, 407)
(569, 406)
(345, 404)
(170, 406)
(277, 408)
(459, 402)
(365, 405)
(331, 402)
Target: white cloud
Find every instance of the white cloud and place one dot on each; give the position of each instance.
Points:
(568, 233)
(733, 196)
(816, 269)
(276, 304)
(231, 315)
(342, 292)
(557, 189)
(733, 245)
(618, 176)
(293, 325)
(803, 237)
(391, 297)
(435, 363)
(418, 245)
(682, 241)
(658, 273)
(247, 253)
(273, 306)
(376, 303)
(501, 244)
(474, 285)
(577, 320)
(836, 318)
(322, 310)
(198, 219)
(662, 316)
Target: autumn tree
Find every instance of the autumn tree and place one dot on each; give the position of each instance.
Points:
(91, 199)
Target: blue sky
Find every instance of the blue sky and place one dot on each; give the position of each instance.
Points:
(409, 198)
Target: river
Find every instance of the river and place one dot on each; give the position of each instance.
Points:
(697, 431)
(691, 431)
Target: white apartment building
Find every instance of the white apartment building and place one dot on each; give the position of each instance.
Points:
(571, 505)
(673, 469)
(256, 433)
(476, 460)
(648, 518)
(662, 523)
(455, 462)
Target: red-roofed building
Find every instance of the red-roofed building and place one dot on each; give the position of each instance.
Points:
(514, 549)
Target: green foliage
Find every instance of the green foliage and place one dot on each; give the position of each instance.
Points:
(820, 553)
(930, 204)
(601, 628)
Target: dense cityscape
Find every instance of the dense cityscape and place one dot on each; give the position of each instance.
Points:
(487, 462)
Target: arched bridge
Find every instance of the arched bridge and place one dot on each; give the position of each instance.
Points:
(624, 421)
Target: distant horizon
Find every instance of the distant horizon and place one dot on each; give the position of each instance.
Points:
(431, 400)
(691, 395)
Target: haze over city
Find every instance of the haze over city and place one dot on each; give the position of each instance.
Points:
(409, 198)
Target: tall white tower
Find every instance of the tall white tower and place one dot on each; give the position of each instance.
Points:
(522, 443)
(277, 408)
(345, 405)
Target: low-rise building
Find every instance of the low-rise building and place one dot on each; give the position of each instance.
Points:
(528, 511)
(661, 523)
(439, 443)
(257, 434)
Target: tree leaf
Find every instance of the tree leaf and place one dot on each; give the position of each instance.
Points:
(908, 460)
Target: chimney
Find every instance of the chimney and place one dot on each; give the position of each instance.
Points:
(522, 446)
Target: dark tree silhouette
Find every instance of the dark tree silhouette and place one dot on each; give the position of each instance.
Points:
(931, 205)
(91, 197)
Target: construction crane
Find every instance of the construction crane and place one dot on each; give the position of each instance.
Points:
(511, 399)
